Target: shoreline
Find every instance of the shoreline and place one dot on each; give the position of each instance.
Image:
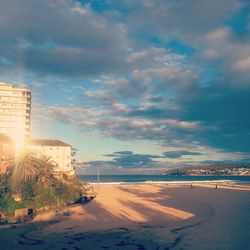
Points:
(191, 184)
(121, 216)
(180, 183)
(163, 179)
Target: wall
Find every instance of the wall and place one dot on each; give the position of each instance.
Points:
(61, 155)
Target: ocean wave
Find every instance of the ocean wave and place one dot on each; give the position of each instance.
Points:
(164, 182)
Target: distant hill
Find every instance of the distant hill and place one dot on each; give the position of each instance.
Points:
(211, 170)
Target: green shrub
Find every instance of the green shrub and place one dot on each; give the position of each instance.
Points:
(27, 190)
(8, 205)
(38, 185)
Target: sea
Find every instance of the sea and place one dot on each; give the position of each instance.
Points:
(161, 179)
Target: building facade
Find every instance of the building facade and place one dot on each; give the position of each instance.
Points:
(60, 153)
(15, 110)
(7, 153)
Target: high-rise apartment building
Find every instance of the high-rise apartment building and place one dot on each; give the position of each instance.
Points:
(15, 110)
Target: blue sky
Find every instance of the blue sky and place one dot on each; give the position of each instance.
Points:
(135, 86)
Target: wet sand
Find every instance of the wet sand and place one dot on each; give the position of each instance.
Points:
(143, 217)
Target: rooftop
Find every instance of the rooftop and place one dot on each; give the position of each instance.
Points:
(48, 142)
(7, 86)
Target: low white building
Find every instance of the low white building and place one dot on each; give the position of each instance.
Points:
(60, 152)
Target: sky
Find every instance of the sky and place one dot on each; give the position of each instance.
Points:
(135, 86)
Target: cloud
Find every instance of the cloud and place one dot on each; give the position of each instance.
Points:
(131, 162)
(224, 113)
(126, 79)
(154, 112)
(230, 54)
(161, 75)
(204, 27)
(242, 64)
(117, 88)
(119, 153)
(179, 154)
(181, 19)
(62, 38)
(127, 159)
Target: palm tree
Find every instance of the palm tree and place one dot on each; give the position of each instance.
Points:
(4, 178)
(23, 174)
(3, 184)
(46, 171)
(26, 168)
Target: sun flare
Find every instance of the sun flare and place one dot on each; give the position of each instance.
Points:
(19, 139)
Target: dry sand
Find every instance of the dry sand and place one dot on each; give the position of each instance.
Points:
(143, 217)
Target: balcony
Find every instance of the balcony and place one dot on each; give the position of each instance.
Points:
(73, 153)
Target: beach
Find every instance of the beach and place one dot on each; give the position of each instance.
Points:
(148, 216)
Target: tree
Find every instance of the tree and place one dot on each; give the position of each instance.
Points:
(3, 185)
(26, 168)
(46, 173)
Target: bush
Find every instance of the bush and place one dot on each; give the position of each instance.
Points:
(4, 186)
(27, 190)
(38, 185)
(8, 205)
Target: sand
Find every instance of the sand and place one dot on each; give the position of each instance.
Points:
(143, 217)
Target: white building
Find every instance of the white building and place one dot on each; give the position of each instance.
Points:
(15, 108)
(60, 152)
